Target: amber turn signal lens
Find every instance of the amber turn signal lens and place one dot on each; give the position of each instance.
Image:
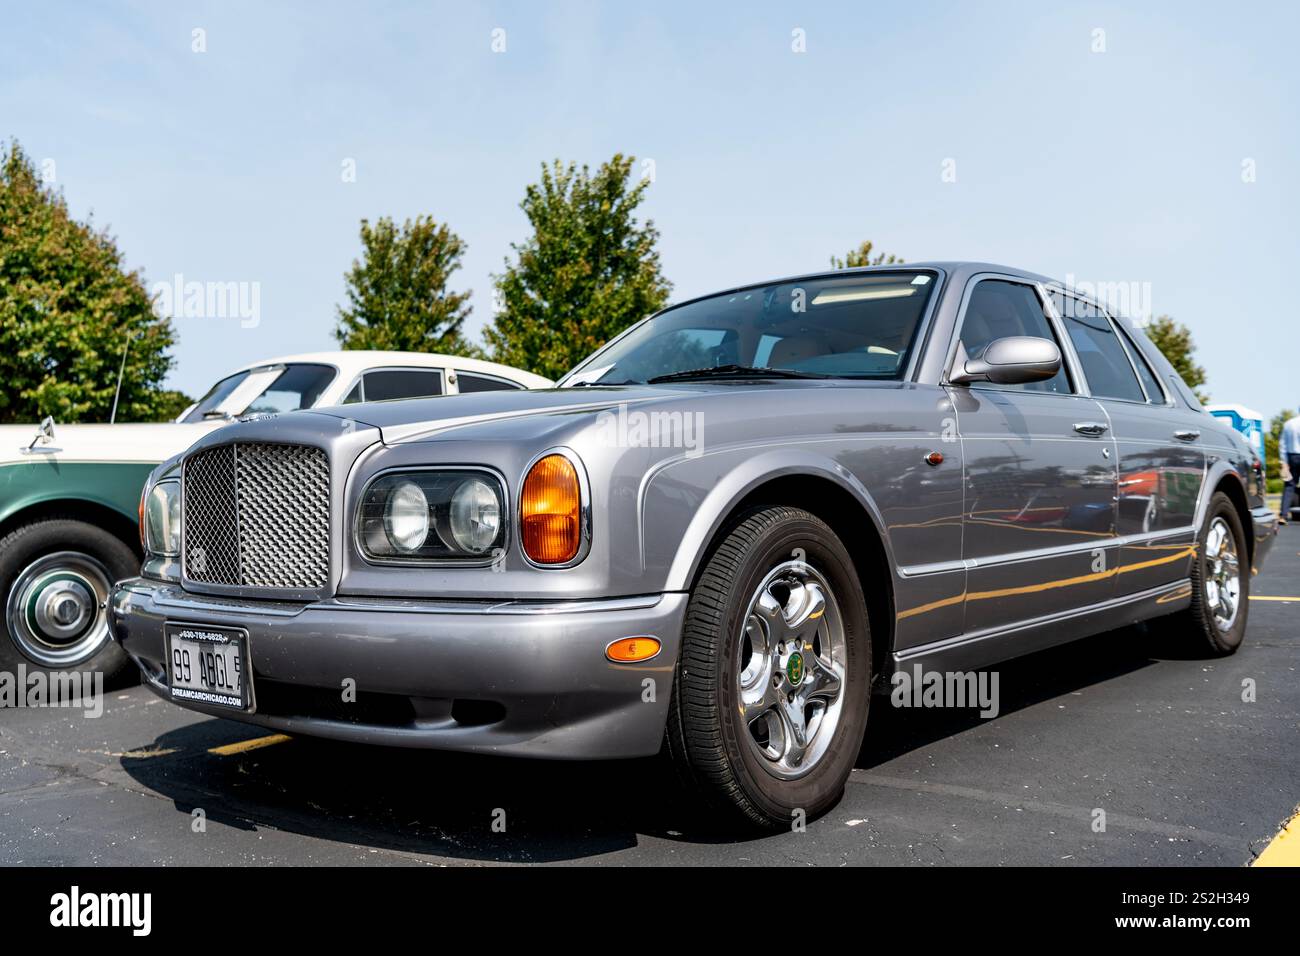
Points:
(143, 492)
(631, 650)
(550, 511)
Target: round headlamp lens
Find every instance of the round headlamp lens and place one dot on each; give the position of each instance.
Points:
(475, 516)
(406, 516)
(162, 519)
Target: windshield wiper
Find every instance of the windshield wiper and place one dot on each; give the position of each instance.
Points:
(589, 384)
(732, 371)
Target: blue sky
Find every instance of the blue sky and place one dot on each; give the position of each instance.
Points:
(1117, 166)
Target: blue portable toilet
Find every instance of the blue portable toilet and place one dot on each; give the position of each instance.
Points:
(1247, 421)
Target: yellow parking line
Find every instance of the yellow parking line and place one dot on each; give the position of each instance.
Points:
(1270, 597)
(1284, 850)
(246, 745)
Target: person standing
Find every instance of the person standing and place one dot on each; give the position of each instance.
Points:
(1288, 449)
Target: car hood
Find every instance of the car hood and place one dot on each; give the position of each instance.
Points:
(538, 411)
(150, 443)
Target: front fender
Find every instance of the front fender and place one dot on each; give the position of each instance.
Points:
(684, 501)
(44, 481)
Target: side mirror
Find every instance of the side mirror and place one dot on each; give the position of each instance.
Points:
(1014, 360)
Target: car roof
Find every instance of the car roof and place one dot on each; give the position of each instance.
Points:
(351, 362)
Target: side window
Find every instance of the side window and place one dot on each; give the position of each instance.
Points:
(998, 309)
(469, 382)
(388, 385)
(354, 396)
(1150, 383)
(1101, 353)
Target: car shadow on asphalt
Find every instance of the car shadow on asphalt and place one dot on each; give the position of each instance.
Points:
(894, 731)
(498, 809)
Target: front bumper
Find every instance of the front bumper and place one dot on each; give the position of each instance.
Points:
(1264, 530)
(528, 679)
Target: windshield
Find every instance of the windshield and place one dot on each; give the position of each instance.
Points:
(263, 391)
(216, 395)
(851, 326)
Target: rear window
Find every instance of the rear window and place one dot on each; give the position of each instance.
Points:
(469, 382)
(1105, 362)
(388, 385)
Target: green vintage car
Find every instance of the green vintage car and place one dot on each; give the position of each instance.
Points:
(70, 494)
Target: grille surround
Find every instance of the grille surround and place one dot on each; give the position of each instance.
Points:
(256, 515)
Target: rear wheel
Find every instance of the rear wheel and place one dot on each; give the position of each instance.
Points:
(771, 694)
(56, 576)
(1220, 579)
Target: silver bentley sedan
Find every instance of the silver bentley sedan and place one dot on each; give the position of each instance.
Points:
(715, 538)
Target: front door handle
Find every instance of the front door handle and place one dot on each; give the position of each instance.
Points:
(1091, 428)
(1187, 434)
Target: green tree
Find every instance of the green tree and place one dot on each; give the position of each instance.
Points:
(170, 403)
(67, 308)
(1272, 438)
(861, 256)
(588, 271)
(1175, 341)
(397, 291)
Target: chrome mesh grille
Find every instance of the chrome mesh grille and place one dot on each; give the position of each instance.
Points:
(257, 515)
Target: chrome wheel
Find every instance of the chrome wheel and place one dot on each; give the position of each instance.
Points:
(57, 609)
(1223, 575)
(791, 667)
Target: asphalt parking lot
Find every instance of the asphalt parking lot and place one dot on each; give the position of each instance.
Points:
(1135, 722)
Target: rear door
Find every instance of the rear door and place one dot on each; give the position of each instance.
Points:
(1039, 527)
(1161, 462)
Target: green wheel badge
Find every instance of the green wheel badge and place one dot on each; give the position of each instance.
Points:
(794, 668)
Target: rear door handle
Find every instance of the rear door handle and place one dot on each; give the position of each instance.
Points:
(1187, 434)
(1091, 428)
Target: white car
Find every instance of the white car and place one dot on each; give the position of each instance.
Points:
(69, 494)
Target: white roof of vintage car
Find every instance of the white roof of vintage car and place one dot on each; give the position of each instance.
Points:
(352, 362)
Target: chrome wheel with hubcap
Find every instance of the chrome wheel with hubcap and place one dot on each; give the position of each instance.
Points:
(57, 609)
(1223, 577)
(791, 667)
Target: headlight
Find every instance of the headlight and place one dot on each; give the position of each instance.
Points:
(406, 517)
(432, 515)
(162, 519)
(475, 515)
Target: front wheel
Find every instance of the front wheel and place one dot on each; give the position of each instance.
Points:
(56, 575)
(771, 692)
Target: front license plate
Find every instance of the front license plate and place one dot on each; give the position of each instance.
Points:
(209, 665)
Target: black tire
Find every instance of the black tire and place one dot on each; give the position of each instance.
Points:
(40, 539)
(705, 732)
(1200, 616)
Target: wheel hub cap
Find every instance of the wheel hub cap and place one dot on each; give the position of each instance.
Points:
(1223, 575)
(791, 669)
(56, 609)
